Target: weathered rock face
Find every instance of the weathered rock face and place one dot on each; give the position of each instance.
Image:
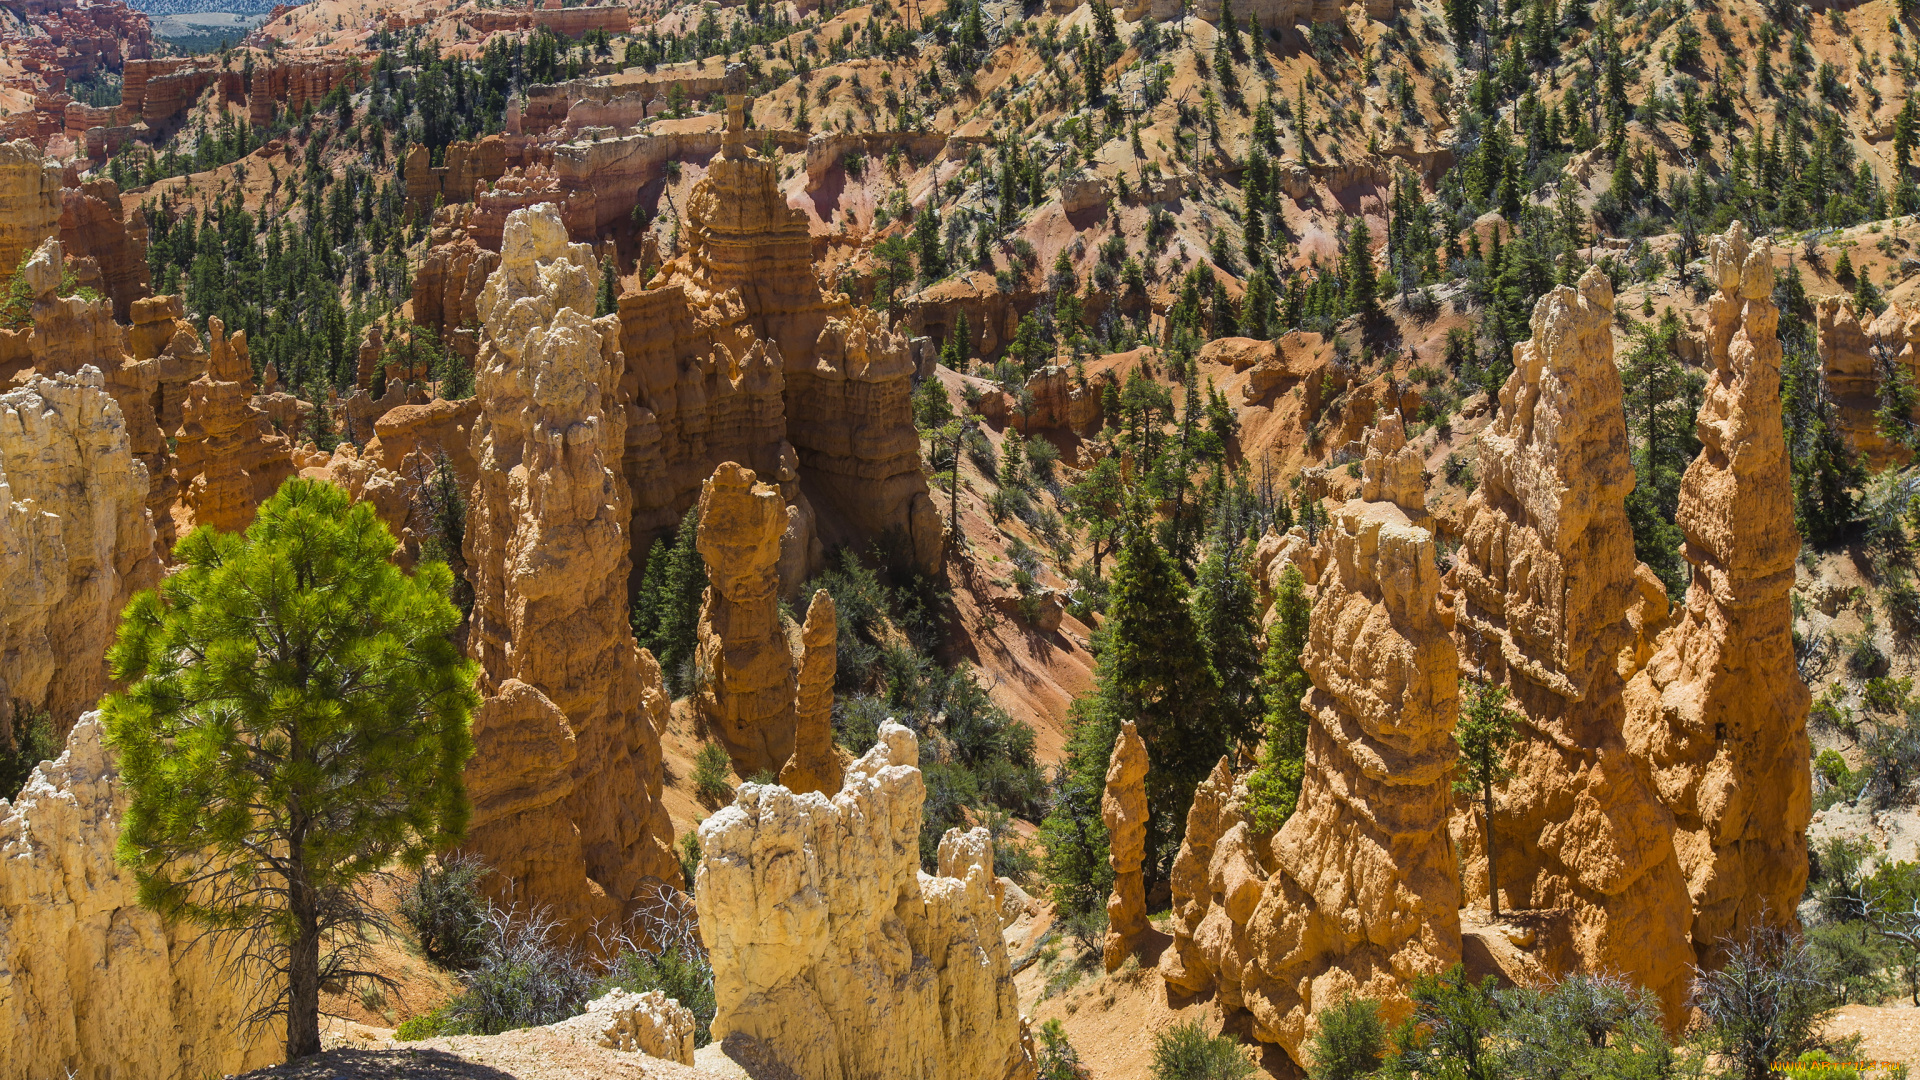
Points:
(546, 548)
(227, 459)
(160, 332)
(1392, 470)
(1218, 875)
(92, 984)
(1719, 714)
(748, 695)
(1365, 895)
(96, 226)
(1123, 809)
(1546, 577)
(70, 334)
(76, 542)
(1058, 403)
(29, 201)
(814, 765)
(832, 948)
(1846, 362)
(446, 288)
(746, 289)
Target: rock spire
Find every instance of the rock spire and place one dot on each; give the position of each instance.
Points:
(1123, 809)
(1545, 581)
(747, 695)
(1719, 715)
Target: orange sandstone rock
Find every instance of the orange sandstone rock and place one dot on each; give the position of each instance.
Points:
(29, 201)
(1364, 894)
(1123, 808)
(814, 765)
(1545, 579)
(748, 695)
(547, 551)
(1718, 717)
(228, 460)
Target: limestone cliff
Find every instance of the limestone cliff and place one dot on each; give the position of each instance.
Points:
(834, 949)
(1719, 715)
(1123, 809)
(92, 984)
(1545, 577)
(76, 542)
(815, 765)
(1365, 896)
(747, 690)
(546, 548)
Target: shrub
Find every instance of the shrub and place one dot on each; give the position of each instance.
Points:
(523, 979)
(1187, 1052)
(1058, 1059)
(1584, 1026)
(33, 742)
(446, 912)
(1350, 1041)
(1766, 1003)
(712, 770)
(690, 855)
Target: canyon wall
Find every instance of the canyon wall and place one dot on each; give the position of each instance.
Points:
(29, 201)
(108, 238)
(91, 983)
(748, 279)
(833, 949)
(547, 548)
(1718, 716)
(1544, 581)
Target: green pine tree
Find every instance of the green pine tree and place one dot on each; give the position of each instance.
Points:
(1275, 784)
(666, 613)
(295, 719)
(1153, 670)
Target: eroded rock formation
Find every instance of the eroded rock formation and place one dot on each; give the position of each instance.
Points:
(747, 696)
(815, 766)
(91, 983)
(29, 201)
(1719, 714)
(109, 239)
(1846, 363)
(228, 459)
(1218, 875)
(1365, 896)
(1123, 809)
(546, 547)
(833, 949)
(780, 368)
(1545, 577)
(76, 542)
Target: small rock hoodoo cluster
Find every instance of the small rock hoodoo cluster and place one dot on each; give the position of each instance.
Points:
(831, 945)
(1659, 799)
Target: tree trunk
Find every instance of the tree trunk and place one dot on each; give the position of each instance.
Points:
(1493, 881)
(303, 976)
